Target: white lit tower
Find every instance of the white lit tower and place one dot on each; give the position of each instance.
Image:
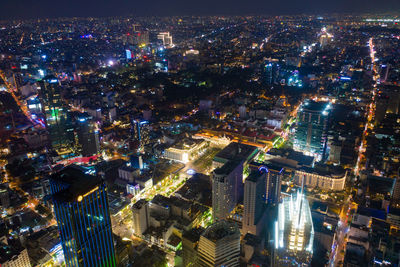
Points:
(293, 232)
(325, 37)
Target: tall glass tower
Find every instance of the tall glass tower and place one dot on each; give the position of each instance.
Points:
(81, 209)
(56, 116)
(312, 126)
(88, 136)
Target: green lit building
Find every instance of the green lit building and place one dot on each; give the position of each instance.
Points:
(312, 126)
(61, 132)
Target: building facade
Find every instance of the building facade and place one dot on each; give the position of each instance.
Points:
(253, 202)
(141, 132)
(88, 137)
(185, 150)
(13, 257)
(311, 177)
(226, 188)
(55, 114)
(165, 38)
(140, 213)
(293, 232)
(83, 218)
(273, 183)
(219, 245)
(311, 130)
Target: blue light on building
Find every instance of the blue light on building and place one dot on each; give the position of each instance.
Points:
(82, 213)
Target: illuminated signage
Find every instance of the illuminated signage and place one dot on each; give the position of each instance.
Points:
(80, 198)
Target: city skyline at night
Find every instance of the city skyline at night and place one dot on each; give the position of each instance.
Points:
(191, 134)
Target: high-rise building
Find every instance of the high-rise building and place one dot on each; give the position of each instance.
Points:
(243, 112)
(311, 130)
(293, 232)
(190, 242)
(254, 202)
(273, 182)
(219, 245)
(140, 212)
(396, 193)
(325, 38)
(56, 116)
(272, 72)
(141, 38)
(166, 39)
(83, 218)
(88, 136)
(141, 132)
(13, 255)
(136, 37)
(226, 188)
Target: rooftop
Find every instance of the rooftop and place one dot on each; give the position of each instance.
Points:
(236, 151)
(77, 182)
(220, 230)
(292, 155)
(139, 204)
(227, 168)
(312, 106)
(326, 170)
(187, 143)
(254, 176)
(268, 165)
(193, 235)
(380, 214)
(7, 252)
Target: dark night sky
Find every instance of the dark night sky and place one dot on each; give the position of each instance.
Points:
(56, 8)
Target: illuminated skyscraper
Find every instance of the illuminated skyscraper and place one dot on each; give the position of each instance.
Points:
(325, 38)
(271, 72)
(273, 183)
(312, 125)
(396, 193)
(254, 202)
(88, 136)
(293, 232)
(219, 245)
(83, 218)
(141, 132)
(226, 186)
(166, 39)
(56, 116)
